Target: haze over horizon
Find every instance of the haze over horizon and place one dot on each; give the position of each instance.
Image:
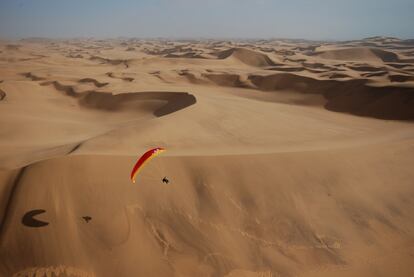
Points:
(317, 20)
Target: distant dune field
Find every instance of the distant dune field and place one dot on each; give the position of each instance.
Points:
(285, 158)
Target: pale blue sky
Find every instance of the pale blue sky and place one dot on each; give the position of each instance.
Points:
(310, 19)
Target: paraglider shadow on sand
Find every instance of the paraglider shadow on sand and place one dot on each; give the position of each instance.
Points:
(125, 101)
(29, 219)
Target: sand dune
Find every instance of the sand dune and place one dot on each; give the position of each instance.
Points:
(285, 158)
(110, 102)
(110, 61)
(360, 54)
(225, 79)
(216, 228)
(32, 76)
(401, 78)
(94, 81)
(353, 96)
(128, 79)
(246, 56)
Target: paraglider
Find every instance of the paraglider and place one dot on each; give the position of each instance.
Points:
(144, 159)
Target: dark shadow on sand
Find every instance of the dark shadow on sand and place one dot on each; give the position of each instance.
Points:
(29, 220)
(175, 101)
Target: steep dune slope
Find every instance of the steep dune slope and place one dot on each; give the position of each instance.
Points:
(220, 214)
(352, 96)
(359, 54)
(246, 56)
(58, 123)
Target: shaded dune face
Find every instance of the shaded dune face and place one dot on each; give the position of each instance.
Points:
(110, 61)
(104, 101)
(352, 96)
(225, 79)
(175, 101)
(317, 71)
(91, 80)
(358, 54)
(246, 56)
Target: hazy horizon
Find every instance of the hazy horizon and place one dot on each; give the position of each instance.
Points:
(298, 19)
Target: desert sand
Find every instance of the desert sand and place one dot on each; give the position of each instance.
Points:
(285, 158)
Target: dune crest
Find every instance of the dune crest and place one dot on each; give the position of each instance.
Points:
(246, 56)
(359, 54)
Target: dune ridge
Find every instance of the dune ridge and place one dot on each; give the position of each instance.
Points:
(94, 81)
(359, 53)
(353, 96)
(113, 102)
(246, 56)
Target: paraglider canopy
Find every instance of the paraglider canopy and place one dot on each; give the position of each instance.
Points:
(147, 156)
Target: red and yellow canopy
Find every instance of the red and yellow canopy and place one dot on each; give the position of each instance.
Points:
(144, 159)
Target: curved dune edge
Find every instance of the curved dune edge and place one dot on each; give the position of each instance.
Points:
(110, 61)
(373, 71)
(93, 81)
(121, 106)
(112, 75)
(2, 94)
(114, 102)
(358, 54)
(352, 96)
(243, 55)
(246, 56)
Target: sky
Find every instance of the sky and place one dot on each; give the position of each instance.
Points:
(308, 19)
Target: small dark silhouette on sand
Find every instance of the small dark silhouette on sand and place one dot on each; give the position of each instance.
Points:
(2, 94)
(165, 180)
(87, 218)
(29, 220)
